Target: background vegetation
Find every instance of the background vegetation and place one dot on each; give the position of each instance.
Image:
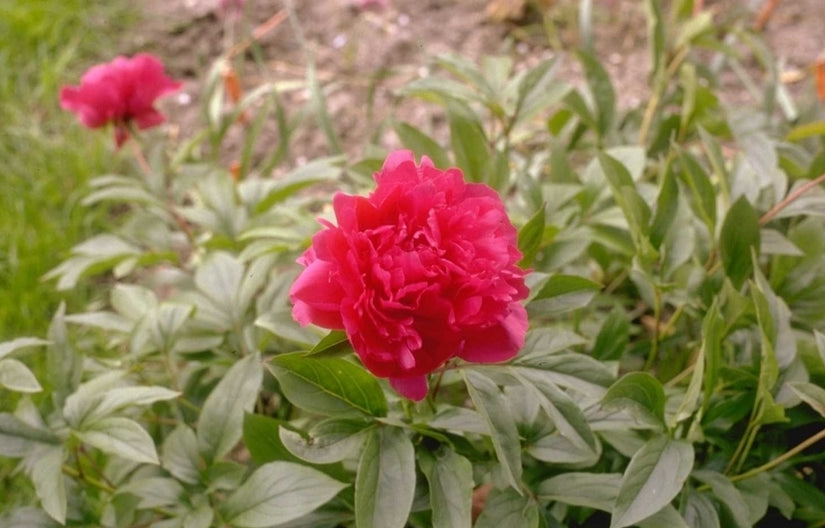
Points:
(673, 373)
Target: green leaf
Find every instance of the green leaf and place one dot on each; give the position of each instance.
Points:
(328, 386)
(63, 364)
(507, 508)
(530, 237)
(570, 370)
(18, 437)
(122, 437)
(806, 130)
(539, 89)
(155, 492)
(180, 455)
(700, 511)
(635, 209)
(47, 477)
(450, 477)
(333, 344)
(727, 494)
(469, 143)
(590, 490)
(488, 401)
(656, 38)
(16, 376)
(653, 478)
(118, 398)
(739, 236)
(219, 278)
(277, 493)
(21, 342)
(385, 483)
(261, 435)
(601, 88)
(335, 441)
(713, 332)
(811, 394)
(568, 419)
(693, 28)
(667, 205)
(642, 393)
(701, 189)
(421, 144)
(613, 336)
(563, 293)
(221, 419)
(667, 517)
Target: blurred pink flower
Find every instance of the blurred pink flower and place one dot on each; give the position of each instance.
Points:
(231, 8)
(364, 4)
(420, 271)
(120, 92)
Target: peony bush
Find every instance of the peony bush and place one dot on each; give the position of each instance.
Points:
(565, 314)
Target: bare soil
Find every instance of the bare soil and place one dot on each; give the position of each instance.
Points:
(364, 55)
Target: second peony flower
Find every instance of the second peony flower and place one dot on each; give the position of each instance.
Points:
(420, 271)
(121, 92)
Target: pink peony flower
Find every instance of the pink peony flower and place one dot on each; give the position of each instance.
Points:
(231, 8)
(420, 271)
(120, 92)
(366, 4)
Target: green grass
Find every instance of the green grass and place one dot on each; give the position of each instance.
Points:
(45, 155)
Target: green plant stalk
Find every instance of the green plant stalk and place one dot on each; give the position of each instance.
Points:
(657, 321)
(781, 458)
(658, 93)
(776, 209)
(74, 473)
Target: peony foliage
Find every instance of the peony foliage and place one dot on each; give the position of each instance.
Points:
(553, 311)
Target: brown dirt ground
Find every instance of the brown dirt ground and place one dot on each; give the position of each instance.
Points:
(363, 56)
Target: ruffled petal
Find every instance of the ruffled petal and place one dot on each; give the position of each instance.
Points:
(316, 297)
(499, 342)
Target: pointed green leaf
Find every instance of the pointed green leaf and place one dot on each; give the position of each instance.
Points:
(21, 342)
(653, 478)
(563, 293)
(277, 493)
(16, 376)
(450, 477)
(641, 392)
(328, 386)
(811, 394)
(591, 490)
(221, 421)
(336, 441)
(489, 402)
(47, 477)
(180, 455)
(739, 236)
(385, 483)
(421, 144)
(530, 237)
(507, 508)
(601, 88)
(469, 143)
(333, 344)
(122, 437)
(726, 493)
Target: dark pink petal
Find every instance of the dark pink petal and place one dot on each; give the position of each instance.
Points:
(316, 297)
(412, 388)
(499, 342)
(119, 92)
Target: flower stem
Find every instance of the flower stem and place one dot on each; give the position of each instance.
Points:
(776, 209)
(782, 458)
